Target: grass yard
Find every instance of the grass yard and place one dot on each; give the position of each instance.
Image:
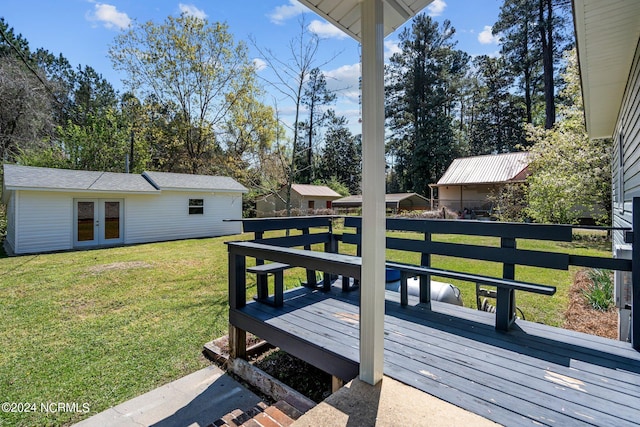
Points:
(102, 326)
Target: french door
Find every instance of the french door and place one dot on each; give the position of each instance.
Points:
(98, 222)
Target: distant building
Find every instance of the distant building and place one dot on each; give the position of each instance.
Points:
(394, 202)
(305, 198)
(469, 180)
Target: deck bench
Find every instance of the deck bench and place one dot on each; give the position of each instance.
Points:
(504, 310)
(262, 272)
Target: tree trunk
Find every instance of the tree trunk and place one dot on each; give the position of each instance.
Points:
(546, 36)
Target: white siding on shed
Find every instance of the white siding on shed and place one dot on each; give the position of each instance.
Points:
(151, 218)
(627, 126)
(10, 238)
(44, 221)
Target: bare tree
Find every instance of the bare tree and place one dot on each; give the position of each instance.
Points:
(25, 110)
(290, 73)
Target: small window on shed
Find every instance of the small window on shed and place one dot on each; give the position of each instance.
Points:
(196, 206)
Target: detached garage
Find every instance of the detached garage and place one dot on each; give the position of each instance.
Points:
(60, 209)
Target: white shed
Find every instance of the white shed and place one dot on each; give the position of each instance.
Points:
(61, 209)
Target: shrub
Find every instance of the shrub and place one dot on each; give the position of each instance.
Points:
(599, 294)
(3, 222)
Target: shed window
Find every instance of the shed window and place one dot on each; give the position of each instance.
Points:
(196, 206)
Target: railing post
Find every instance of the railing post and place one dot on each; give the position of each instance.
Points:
(237, 299)
(506, 312)
(258, 235)
(237, 280)
(635, 276)
(331, 246)
(311, 274)
(425, 281)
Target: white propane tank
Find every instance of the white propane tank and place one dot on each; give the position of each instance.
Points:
(443, 292)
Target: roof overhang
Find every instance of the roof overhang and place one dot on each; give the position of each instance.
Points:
(346, 14)
(81, 190)
(607, 35)
(464, 184)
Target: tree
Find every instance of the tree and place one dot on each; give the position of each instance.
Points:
(341, 156)
(497, 125)
(290, 75)
(100, 143)
(422, 81)
(248, 134)
(193, 64)
(25, 111)
(316, 95)
(13, 45)
(516, 27)
(533, 39)
(570, 173)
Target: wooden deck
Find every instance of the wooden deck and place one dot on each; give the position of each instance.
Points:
(533, 374)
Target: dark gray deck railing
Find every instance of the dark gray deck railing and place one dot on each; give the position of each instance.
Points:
(508, 253)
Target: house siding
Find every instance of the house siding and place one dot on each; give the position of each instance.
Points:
(627, 128)
(143, 224)
(10, 238)
(43, 221)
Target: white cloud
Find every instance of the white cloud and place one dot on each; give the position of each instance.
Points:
(109, 16)
(284, 12)
(344, 80)
(391, 47)
(325, 30)
(191, 10)
(259, 64)
(436, 8)
(487, 37)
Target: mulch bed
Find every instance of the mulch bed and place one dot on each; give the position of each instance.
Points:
(581, 317)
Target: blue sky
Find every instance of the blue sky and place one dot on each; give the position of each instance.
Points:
(83, 30)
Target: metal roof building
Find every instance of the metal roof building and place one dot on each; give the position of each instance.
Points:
(468, 181)
(498, 168)
(395, 202)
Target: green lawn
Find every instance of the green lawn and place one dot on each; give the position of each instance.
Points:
(102, 326)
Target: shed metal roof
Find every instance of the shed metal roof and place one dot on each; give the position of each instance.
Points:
(607, 34)
(393, 198)
(485, 169)
(345, 14)
(35, 178)
(314, 190)
(183, 181)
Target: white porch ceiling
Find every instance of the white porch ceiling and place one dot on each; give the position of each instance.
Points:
(607, 33)
(345, 14)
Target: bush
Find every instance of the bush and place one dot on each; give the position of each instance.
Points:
(599, 294)
(3, 222)
(444, 213)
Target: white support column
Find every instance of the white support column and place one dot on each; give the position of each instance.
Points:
(373, 194)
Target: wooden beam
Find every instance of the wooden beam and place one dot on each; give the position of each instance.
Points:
(373, 194)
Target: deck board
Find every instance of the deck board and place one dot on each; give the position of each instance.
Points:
(534, 374)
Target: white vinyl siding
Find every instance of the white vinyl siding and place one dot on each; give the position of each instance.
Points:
(43, 221)
(10, 238)
(626, 180)
(166, 216)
